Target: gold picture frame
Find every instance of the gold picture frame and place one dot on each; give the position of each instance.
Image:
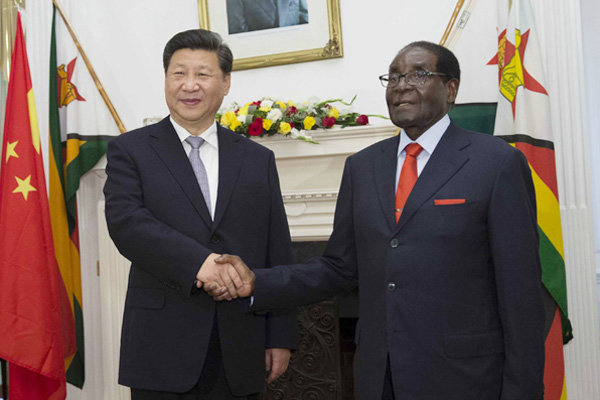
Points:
(319, 39)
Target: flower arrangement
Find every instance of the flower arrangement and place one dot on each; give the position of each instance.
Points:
(269, 117)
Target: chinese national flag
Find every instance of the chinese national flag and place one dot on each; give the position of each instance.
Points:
(36, 324)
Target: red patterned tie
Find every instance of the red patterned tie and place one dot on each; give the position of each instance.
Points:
(408, 177)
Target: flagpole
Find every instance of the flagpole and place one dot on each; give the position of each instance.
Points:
(109, 104)
(452, 21)
(4, 375)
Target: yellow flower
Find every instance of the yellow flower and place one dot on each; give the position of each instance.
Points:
(290, 103)
(333, 113)
(267, 124)
(227, 118)
(244, 110)
(284, 128)
(309, 122)
(234, 124)
(281, 105)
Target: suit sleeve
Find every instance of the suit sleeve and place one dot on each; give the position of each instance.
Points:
(320, 278)
(514, 246)
(170, 256)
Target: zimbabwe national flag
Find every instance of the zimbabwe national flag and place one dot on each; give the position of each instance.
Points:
(518, 110)
(80, 127)
(523, 119)
(36, 323)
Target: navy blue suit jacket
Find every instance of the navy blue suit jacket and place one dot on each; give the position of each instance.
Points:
(158, 219)
(451, 292)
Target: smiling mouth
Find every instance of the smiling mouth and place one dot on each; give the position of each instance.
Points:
(190, 102)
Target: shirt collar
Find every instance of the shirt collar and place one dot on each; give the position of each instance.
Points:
(209, 135)
(429, 139)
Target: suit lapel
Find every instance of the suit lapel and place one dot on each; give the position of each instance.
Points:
(445, 161)
(384, 171)
(231, 157)
(167, 146)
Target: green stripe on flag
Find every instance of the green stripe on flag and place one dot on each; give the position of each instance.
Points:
(554, 278)
(478, 117)
(76, 371)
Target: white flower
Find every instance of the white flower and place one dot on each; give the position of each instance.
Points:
(294, 133)
(275, 115)
(241, 118)
(266, 104)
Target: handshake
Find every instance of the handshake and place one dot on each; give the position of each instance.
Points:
(225, 277)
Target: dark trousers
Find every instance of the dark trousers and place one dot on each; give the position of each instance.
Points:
(388, 387)
(212, 384)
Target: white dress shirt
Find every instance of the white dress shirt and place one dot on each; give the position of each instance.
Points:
(209, 154)
(428, 141)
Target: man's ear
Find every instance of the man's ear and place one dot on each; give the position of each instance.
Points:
(452, 87)
(227, 84)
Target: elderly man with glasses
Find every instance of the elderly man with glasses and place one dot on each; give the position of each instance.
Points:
(437, 228)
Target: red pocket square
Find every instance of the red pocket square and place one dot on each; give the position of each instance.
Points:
(447, 202)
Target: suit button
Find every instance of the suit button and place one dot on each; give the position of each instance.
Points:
(391, 286)
(215, 239)
(394, 243)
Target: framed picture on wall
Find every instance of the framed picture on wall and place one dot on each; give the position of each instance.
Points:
(264, 33)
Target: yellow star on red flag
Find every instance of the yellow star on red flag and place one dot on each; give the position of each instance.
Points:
(10, 150)
(24, 186)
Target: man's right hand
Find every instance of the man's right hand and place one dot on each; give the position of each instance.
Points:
(222, 275)
(244, 275)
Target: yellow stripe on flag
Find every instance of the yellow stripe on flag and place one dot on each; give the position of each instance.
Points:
(73, 146)
(33, 121)
(563, 395)
(548, 212)
(67, 255)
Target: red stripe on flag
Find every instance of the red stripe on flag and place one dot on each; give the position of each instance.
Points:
(542, 161)
(554, 373)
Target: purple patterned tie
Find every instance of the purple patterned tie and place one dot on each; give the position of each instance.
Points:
(198, 167)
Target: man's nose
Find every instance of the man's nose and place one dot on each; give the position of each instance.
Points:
(191, 84)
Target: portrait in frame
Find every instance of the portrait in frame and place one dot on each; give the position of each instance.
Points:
(265, 33)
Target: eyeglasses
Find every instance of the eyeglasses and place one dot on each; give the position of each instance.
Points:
(414, 78)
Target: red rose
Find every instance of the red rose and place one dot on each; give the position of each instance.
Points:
(256, 128)
(292, 110)
(256, 103)
(362, 120)
(328, 122)
(292, 125)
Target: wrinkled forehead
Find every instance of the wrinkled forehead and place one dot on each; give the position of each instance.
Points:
(413, 58)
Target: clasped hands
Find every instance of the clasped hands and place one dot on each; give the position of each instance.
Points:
(225, 277)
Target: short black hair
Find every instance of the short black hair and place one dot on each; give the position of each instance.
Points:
(200, 39)
(447, 63)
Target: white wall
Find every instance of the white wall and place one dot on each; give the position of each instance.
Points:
(124, 40)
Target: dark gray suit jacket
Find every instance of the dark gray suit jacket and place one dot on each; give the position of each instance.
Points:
(453, 291)
(158, 219)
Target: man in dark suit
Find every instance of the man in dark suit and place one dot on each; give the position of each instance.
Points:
(171, 215)
(254, 15)
(449, 275)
